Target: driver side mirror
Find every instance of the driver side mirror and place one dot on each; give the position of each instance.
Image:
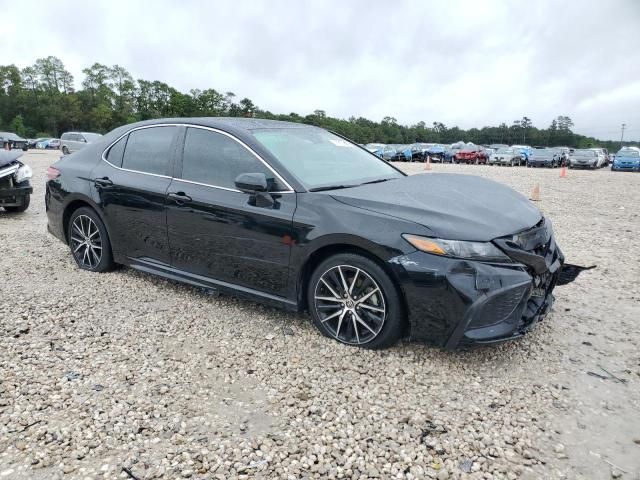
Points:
(252, 182)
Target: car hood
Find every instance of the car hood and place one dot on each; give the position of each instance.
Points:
(452, 206)
(8, 156)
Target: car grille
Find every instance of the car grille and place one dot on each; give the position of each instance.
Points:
(502, 307)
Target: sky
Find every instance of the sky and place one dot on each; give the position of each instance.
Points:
(465, 63)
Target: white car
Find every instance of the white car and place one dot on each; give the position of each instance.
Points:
(73, 141)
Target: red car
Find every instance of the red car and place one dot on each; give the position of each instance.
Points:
(471, 154)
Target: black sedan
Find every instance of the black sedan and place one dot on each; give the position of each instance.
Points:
(301, 218)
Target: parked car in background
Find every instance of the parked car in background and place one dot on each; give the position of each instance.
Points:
(54, 144)
(470, 153)
(545, 157)
(506, 156)
(13, 141)
(437, 152)
(375, 148)
(73, 141)
(496, 146)
(15, 185)
(402, 154)
(419, 151)
(525, 150)
(372, 253)
(32, 143)
(627, 159)
(603, 155)
(585, 158)
(389, 151)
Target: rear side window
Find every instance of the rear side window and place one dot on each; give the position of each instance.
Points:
(215, 159)
(115, 153)
(65, 136)
(149, 150)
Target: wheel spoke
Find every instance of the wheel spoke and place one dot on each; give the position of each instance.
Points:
(372, 308)
(333, 292)
(353, 282)
(330, 299)
(333, 315)
(355, 327)
(362, 322)
(79, 247)
(368, 295)
(344, 312)
(344, 282)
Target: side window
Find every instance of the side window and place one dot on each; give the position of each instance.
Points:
(73, 137)
(149, 150)
(65, 136)
(215, 159)
(115, 153)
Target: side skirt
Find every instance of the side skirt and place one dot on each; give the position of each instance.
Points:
(171, 273)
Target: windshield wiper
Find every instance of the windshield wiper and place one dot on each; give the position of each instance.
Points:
(331, 187)
(378, 181)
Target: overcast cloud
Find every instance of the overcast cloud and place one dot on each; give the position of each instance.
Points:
(469, 64)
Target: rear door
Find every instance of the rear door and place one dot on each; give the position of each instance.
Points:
(131, 185)
(219, 232)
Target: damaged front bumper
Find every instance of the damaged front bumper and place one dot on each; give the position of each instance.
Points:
(455, 302)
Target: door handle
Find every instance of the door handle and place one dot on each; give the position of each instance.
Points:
(179, 197)
(103, 182)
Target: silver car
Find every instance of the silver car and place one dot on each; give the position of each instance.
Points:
(506, 156)
(73, 141)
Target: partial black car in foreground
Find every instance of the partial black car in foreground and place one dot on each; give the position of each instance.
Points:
(301, 218)
(15, 185)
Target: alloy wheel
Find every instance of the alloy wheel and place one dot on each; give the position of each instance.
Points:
(350, 304)
(86, 242)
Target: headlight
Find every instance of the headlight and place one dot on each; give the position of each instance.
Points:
(484, 251)
(24, 173)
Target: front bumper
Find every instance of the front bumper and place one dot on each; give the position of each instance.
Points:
(455, 302)
(13, 195)
(627, 167)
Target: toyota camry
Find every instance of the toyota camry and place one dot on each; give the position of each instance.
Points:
(301, 218)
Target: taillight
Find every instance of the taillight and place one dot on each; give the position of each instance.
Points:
(52, 173)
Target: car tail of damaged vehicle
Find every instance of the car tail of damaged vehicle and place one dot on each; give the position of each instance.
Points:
(15, 186)
(301, 218)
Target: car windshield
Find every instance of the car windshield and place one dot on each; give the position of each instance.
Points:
(628, 153)
(318, 158)
(584, 153)
(545, 153)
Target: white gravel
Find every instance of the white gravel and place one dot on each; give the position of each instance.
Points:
(101, 373)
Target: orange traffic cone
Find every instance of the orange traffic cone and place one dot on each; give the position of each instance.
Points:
(535, 193)
(563, 172)
(427, 165)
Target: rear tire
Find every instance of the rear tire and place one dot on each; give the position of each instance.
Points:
(352, 300)
(89, 241)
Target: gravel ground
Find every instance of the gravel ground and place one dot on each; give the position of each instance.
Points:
(101, 375)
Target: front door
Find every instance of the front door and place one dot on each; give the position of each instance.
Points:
(131, 187)
(219, 232)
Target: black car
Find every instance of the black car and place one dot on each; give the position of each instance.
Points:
(301, 218)
(15, 185)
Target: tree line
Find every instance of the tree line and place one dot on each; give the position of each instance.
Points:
(41, 101)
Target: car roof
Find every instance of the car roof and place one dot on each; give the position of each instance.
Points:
(235, 123)
(10, 136)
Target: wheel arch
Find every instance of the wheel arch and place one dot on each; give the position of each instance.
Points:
(73, 205)
(326, 250)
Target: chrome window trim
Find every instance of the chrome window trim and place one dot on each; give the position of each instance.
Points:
(202, 127)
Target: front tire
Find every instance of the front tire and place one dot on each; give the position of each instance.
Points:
(352, 299)
(65, 150)
(89, 241)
